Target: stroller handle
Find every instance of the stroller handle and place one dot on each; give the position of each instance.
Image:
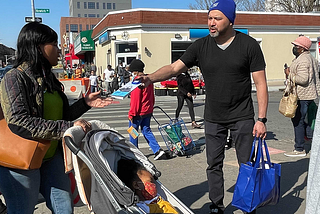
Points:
(70, 143)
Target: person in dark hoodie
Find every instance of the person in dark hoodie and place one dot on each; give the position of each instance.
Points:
(185, 92)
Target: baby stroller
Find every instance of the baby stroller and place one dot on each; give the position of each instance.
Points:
(94, 161)
(175, 134)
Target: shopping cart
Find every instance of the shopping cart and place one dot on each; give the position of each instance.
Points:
(175, 134)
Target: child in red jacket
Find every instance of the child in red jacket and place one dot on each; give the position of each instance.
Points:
(141, 108)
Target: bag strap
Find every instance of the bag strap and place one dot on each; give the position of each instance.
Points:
(259, 157)
(253, 147)
(267, 152)
(293, 86)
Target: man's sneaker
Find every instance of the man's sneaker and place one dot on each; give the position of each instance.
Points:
(159, 154)
(195, 125)
(295, 153)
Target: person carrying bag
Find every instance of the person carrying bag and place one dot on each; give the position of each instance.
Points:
(258, 182)
(303, 71)
(36, 113)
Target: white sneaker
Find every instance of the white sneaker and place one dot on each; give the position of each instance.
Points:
(295, 153)
(158, 154)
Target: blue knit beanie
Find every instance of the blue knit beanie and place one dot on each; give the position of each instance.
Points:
(227, 7)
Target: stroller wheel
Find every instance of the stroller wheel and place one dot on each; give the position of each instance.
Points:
(157, 174)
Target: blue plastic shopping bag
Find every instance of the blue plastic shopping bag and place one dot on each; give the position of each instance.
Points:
(258, 182)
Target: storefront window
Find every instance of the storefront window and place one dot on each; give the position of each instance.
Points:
(178, 49)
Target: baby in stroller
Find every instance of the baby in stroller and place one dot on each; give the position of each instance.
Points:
(140, 181)
(95, 164)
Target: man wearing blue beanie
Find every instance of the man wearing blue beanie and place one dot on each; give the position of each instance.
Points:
(227, 7)
(227, 58)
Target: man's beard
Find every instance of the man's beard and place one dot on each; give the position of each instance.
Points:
(214, 35)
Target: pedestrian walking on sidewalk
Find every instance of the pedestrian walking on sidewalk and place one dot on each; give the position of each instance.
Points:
(185, 93)
(93, 82)
(36, 108)
(304, 72)
(108, 76)
(120, 72)
(226, 58)
(141, 109)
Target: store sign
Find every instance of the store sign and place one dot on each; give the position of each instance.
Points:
(83, 42)
(199, 33)
(103, 38)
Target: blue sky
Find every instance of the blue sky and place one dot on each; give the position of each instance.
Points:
(13, 13)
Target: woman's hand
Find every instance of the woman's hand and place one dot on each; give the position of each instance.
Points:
(189, 94)
(95, 100)
(287, 72)
(85, 125)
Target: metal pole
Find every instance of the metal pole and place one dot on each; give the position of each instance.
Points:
(33, 11)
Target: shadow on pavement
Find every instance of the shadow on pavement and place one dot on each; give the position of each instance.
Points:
(198, 192)
(290, 200)
(271, 136)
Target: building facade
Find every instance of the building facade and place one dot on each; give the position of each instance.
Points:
(96, 8)
(160, 36)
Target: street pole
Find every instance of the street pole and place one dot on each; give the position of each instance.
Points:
(33, 11)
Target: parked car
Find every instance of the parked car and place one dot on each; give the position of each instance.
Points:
(4, 70)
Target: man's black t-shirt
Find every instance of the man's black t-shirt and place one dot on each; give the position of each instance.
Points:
(227, 76)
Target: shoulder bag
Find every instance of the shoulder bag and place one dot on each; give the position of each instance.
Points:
(17, 152)
(288, 103)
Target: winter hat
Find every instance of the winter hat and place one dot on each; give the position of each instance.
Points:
(227, 7)
(136, 65)
(303, 41)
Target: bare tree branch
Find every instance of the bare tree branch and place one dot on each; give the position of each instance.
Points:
(201, 5)
(244, 5)
(293, 6)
